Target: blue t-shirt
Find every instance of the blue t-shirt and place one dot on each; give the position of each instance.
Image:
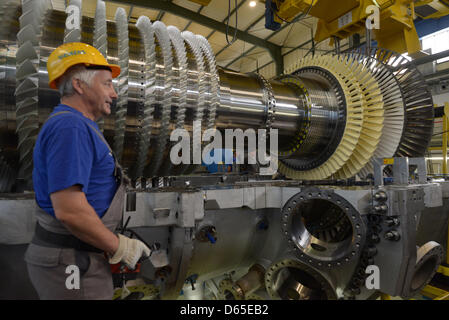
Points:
(69, 152)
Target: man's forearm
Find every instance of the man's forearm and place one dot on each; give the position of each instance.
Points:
(74, 211)
(89, 228)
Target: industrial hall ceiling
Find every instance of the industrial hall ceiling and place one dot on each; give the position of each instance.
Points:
(250, 48)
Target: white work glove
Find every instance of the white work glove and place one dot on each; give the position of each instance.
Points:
(129, 251)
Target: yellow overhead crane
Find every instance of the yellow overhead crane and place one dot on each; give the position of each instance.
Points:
(431, 9)
(341, 19)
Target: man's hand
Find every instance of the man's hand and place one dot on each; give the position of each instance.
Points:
(129, 251)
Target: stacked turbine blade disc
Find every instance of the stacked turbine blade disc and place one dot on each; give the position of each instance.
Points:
(122, 81)
(354, 99)
(72, 30)
(418, 103)
(27, 79)
(389, 113)
(195, 47)
(146, 117)
(180, 79)
(101, 38)
(373, 118)
(166, 81)
(393, 109)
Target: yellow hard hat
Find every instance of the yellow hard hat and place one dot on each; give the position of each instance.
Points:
(73, 53)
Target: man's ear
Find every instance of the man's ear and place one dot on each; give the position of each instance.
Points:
(76, 84)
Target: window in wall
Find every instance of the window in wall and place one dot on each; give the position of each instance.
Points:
(437, 42)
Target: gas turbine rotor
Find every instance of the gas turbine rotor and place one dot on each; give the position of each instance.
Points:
(333, 113)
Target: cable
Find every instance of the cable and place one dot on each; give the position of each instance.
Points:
(299, 18)
(236, 23)
(437, 134)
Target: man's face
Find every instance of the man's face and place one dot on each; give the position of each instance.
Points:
(101, 94)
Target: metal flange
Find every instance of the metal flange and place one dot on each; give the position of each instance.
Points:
(314, 113)
(230, 291)
(274, 273)
(428, 259)
(269, 100)
(304, 129)
(319, 240)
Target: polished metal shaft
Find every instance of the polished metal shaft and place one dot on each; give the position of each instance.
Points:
(242, 99)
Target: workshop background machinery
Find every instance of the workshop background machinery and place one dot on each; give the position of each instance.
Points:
(310, 234)
(395, 28)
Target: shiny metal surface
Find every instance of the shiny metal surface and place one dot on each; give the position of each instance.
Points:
(327, 119)
(242, 99)
(324, 227)
(300, 286)
(290, 279)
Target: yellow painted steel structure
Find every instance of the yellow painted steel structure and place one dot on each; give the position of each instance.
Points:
(434, 8)
(445, 133)
(384, 296)
(444, 270)
(201, 2)
(344, 18)
(435, 293)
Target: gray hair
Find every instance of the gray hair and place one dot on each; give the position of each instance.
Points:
(80, 72)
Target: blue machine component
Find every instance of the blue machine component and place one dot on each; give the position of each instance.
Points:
(270, 9)
(222, 161)
(211, 238)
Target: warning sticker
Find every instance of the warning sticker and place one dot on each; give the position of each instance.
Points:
(345, 20)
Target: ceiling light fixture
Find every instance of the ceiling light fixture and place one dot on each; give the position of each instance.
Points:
(252, 4)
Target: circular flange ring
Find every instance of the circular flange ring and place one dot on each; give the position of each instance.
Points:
(428, 259)
(273, 272)
(302, 133)
(228, 289)
(269, 100)
(323, 253)
(141, 292)
(339, 128)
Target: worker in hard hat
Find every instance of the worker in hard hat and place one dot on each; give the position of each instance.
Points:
(79, 185)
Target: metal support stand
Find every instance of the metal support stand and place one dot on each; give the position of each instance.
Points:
(401, 173)
(337, 45)
(369, 39)
(313, 42)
